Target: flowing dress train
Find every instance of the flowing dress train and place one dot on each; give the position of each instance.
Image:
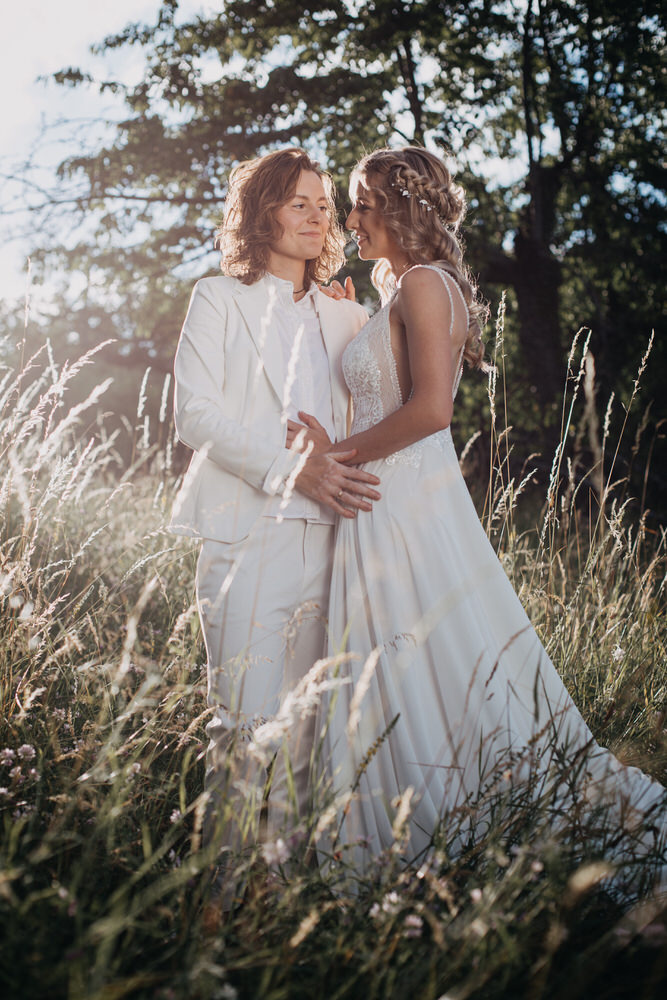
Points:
(450, 678)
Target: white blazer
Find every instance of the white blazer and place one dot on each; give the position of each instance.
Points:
(228, 402)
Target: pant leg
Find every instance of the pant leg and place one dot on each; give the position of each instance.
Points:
(289, 802)
(262, 604)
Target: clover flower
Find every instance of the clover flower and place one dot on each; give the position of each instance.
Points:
(391, 904)
(413, 926)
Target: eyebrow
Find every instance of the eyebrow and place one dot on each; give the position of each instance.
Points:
(305, 197)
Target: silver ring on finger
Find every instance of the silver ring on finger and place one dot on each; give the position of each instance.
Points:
(339, 494)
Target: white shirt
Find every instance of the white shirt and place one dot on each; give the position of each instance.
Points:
(307, 383)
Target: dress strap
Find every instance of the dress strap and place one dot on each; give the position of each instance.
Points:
(444, 275)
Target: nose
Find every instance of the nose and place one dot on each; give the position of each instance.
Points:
(315, 215)
(352, 219)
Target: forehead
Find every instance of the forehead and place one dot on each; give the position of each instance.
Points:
(310, 185)
(358, 189)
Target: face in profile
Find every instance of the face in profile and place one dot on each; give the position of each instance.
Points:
(304, 221)
(367, 224)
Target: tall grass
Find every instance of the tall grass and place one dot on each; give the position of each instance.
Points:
(105, 884)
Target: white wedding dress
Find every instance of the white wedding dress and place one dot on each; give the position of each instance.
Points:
(443, 647)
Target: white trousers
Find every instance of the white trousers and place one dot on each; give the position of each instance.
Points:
(262, 604)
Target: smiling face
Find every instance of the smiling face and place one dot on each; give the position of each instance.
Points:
(367, 224)
(304, 221)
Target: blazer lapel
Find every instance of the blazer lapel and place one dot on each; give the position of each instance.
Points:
(336, 334)
(256, 304)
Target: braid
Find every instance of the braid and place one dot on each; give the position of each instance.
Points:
(447, 200)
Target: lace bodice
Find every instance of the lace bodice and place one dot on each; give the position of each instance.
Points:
(369, 367)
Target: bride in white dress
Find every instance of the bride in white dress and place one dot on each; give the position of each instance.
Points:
(450, 679)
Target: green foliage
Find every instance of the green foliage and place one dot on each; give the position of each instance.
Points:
(573, 91)
(554, 113)
(105, 889)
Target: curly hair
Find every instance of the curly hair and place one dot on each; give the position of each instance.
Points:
(423, 209)
(256, 190)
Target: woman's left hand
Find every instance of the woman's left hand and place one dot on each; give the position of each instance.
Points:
(311, 430)
(336, 291)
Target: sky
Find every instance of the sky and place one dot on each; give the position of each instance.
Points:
(40, 37)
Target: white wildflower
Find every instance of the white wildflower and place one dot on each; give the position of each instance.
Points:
(26, 611)
(275, 853)
(226, 992)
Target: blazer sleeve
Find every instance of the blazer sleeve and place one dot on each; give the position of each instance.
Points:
(201, 423)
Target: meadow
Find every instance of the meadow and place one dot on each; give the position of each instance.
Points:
(104, 881)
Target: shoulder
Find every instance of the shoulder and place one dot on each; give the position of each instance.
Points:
(347, 310)
(422, 278)
(218, 286)
(223, 293)
(355, 310)
(422, 289)
(211, 302)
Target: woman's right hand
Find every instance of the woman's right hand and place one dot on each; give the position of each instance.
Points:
(311, 432)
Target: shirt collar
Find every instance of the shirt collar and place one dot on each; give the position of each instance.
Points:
(285, 288)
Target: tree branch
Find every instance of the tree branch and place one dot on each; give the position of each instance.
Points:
(407, 69)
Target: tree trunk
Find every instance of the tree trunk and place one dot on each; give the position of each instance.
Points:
(536, 283)
(534, 276)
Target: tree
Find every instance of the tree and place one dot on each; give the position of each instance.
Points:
(554, 111)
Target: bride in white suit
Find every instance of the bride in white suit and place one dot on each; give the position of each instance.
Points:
(450, 679)
(259, 342)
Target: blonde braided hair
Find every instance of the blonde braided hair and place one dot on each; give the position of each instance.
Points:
(423, 209)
